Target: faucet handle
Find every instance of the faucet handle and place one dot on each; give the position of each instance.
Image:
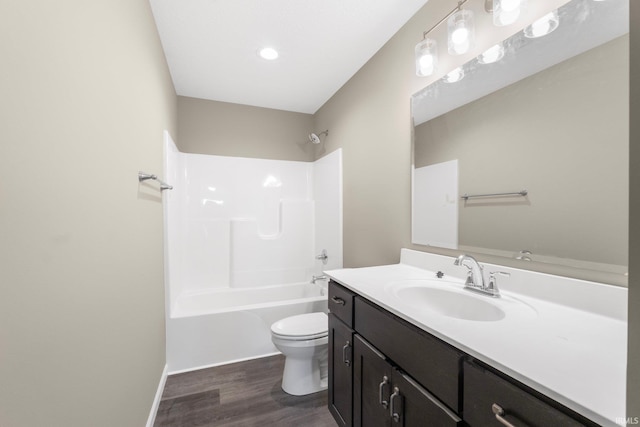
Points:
(493, 281)
(323, 256)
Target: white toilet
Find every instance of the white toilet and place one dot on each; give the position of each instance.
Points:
(303, 339)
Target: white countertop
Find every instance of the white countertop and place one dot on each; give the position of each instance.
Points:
(566, 350)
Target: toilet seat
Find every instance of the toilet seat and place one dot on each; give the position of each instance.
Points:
(301, 327)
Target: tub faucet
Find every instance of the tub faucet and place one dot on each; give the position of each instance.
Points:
(316, 278)
(475, 279)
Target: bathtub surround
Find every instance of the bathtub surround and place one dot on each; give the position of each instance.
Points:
(242, 236)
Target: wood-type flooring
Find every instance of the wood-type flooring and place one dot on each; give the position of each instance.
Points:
(241, 394)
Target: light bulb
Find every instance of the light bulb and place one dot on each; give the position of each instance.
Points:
(454, 76)
(426, 57)
(426, 62)
(460, 35)
(543, 26)
(460, 32)
(268, 53)
(506, 12)
(494, 54)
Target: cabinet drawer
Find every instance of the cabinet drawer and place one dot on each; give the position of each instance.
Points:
(483, 389)
(341, 303)
(432, 363)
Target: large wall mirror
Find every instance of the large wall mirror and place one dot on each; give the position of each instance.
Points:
(548, 125)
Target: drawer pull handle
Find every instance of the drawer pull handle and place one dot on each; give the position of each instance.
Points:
(499, 412)
(345, 358)
(385, 381)
(394, 411)
(338, 300)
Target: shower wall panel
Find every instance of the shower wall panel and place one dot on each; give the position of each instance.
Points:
(241, 222)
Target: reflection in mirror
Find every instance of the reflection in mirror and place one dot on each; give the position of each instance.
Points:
(551, 118)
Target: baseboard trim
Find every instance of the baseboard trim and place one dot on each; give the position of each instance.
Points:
(226, 362)
(156, 401)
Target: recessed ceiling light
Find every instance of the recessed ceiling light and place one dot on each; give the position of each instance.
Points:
(268, 53)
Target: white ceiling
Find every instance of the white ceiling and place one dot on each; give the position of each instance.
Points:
(211, 46)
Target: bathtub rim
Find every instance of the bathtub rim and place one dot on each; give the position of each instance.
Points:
(176, 313)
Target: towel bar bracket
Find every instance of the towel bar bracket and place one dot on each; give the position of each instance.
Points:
(143, 176)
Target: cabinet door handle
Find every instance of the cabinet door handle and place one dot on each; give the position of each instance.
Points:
(499, 412)
(385, 381)
(345, 358)
(394, 405)
(338, 300)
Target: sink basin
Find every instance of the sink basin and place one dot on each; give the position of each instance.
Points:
(451, 303)
(450, 299)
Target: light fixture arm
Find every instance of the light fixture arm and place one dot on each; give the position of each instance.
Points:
(457, 8)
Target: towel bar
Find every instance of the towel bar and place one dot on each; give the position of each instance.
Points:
(514, 193)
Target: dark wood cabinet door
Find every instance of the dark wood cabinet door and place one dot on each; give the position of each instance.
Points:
(371, 386)
(384, 396)
(340, 371)
(413, 406)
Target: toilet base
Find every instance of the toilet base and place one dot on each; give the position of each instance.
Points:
(303, 376)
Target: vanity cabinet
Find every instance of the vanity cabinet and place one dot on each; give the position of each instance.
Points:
(385, 371)
(340, 371)
(341, 354)
(383, 395)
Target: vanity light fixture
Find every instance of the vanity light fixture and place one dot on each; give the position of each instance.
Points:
(543, 26)
(506, 12)
(494, 54)
(268, 53)
(460, 40)
(426, 57)
(461, 32)
(454, 76)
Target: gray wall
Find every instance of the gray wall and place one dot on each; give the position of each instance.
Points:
(562, 134)
(225, 129)
(86, 95)
(633, 357)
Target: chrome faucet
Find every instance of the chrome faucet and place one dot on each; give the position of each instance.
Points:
(475, 278)
(316, 278)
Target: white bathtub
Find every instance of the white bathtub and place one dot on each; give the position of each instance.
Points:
(228, 325)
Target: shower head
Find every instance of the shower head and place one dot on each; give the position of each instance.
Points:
(315, 138)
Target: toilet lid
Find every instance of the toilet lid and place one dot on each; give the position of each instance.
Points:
(303, 326)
